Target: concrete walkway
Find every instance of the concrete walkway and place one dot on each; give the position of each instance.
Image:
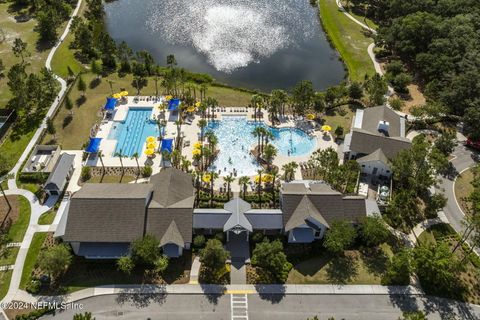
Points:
(36, 208)
(240, 253)
(195, 271)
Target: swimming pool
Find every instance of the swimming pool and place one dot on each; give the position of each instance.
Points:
(235, 140)
(133, 131)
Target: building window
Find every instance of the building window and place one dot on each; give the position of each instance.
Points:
(317, 234)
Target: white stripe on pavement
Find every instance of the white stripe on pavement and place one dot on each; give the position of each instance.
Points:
(239, 306)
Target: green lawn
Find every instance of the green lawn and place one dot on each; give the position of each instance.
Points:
(12, 148)
(5, 277)
(341, 116)
(18, 229)
(348, 38)
(10, 257)
(47, 217)
(25, 31)
(73, 134)
(33, 251)
(463, 189)
(355, 267)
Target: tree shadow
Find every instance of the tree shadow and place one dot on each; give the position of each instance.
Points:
(274, 293)
(144, 296)
(94, 83)
(375, 260)
(81, 100)
(213, 292)
(342, 269)
(66, 121)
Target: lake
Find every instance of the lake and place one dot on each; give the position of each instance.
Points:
(256, 44)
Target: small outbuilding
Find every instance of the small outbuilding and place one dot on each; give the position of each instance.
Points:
(61, 173)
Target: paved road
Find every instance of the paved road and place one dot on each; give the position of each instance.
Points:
(463, 160)
(289, 307)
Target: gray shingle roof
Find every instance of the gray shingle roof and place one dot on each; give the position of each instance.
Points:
(372, 116)
(237, 207)
(172, 189)
(376, 155)
(60, 172)
(304, 211)
(106, 191)
(172, 235)
(364, 142)
(104, 219)
(330, 206)
(160, 219)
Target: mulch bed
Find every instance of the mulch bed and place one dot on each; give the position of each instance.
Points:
(8, 217)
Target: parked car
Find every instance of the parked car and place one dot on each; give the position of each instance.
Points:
(474, 144)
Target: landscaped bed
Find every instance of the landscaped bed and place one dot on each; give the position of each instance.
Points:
(468, 286)
(463, 189)
(84, 273)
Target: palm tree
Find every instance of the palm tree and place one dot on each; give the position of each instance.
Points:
(212, 103)
(213, 176)
(179, 128)
(186, 164)
(212, 141)
(228, 179)
(206, 157)
(274, 173)
(203, 91)
(270, 153)
(257, 132)
(135, 156)
(198, 177)
(260, 171)
(120, 156)
(202, 123)
(256, 101)
(100, 156)
(243, 181)
(203, 110)
(289, 170)
(268, 136)
(175, 156)
(161, 125)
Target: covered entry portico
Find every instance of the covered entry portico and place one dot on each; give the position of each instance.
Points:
(237, 223)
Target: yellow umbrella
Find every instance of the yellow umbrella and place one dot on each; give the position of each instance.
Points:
(257, 179)
(198, 104)
(326, 127)
(168, 98)
(151, 139)
(197, 145)
(310, 116)
(124, 93)
(149, 152)
(116, 95)
(196, 151)
(152, 145)
(207, 178)
(191, 109)
(267, 178)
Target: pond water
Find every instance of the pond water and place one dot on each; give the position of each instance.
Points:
(256, 44)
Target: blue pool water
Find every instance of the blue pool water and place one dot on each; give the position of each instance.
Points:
(132, 133)
(235, 140)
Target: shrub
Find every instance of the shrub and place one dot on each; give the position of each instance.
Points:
(33, 315)
(271, 258)
(145, 250)
(257, 236)
(125, 264)
(373, 231)
(339, 237)
(147, 171)
(399, 269)
(33, 286)
(199, 241)
(86, 174)
(161, 264)
(220, 237)
(55, 260)
(214, 255)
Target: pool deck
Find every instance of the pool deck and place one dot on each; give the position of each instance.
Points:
(191, 133)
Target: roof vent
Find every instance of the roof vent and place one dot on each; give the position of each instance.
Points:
(383, 127)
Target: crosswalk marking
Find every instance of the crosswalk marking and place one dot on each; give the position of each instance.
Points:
(239, 306)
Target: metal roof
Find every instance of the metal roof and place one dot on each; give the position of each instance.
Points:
(60, 172)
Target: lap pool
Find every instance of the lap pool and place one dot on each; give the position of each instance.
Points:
(133, 131)
(235, 140)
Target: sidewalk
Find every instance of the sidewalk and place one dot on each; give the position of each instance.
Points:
(228, 289)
